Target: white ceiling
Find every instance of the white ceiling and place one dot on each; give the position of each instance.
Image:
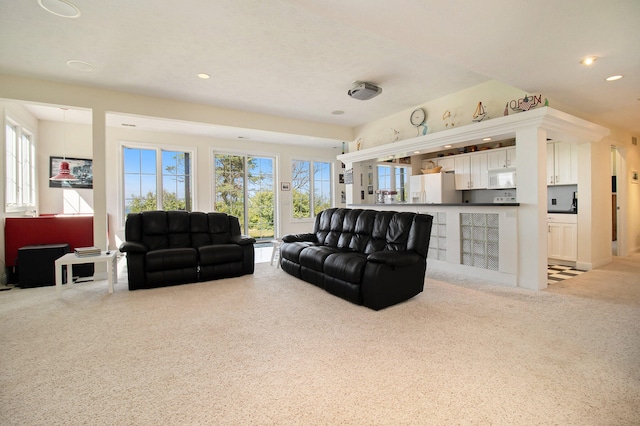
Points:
(298, 58)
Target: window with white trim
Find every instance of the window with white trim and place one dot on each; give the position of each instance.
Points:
(394, 178)
(20, 189)
(311, 188)
(156, 179)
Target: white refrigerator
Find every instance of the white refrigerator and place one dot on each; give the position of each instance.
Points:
(434, 188)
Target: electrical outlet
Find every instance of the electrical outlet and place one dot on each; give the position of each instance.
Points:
(554, 201)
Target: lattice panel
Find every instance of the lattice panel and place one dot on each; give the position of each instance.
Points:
(479, 240)
(438, 241)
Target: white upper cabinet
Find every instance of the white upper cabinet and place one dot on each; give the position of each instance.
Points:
(562, 163)
(471, 171)
(501, 158)
(447, 163)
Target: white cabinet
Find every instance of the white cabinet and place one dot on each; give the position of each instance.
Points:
(562, 241)
(447, 163)
(501, 158)
(471, 171)
(562, 163)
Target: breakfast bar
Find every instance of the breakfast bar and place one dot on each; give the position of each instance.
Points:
(473, 239)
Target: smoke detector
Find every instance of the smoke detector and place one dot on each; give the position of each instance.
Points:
(364, 91)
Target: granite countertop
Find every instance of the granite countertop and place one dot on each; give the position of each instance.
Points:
(562, 212)
(439, 204)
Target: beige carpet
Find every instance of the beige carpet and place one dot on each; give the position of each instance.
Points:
(268, 349)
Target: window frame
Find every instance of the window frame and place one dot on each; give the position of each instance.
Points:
(402, 191)
(246, 154)
(312, 187)
(159, 149)
(22, 203)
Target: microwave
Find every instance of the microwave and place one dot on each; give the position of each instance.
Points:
(502, 178)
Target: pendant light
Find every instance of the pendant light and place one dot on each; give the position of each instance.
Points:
(64, 174)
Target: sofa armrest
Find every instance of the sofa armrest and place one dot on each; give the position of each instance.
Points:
(242, 240)
(292, 238)
(394, 258)
(132, 247)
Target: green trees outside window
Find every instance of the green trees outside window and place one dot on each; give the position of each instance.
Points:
(244, 187)
(141, 186)
(310, 189)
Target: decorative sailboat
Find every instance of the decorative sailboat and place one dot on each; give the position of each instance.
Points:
(480, 114)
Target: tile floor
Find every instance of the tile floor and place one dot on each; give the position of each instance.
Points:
(557, 273)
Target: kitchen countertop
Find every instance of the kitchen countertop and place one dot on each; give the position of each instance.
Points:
(438, 204)
(562, 212)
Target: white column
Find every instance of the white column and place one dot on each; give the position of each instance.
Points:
(100, 180)
(594, 205)
(531, 151)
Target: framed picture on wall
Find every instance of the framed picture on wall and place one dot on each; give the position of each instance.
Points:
(634, 176)
(80, 168)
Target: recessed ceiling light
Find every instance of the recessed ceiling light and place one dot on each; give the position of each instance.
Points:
(486, 139)
(63, 8)
(337, 112)
(416, 152)
(81, 65)
(447, 146)
(204, 76)
(589, 60)
(613, 78)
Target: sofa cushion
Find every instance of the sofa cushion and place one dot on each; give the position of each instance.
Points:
(362, 232)
(220, 253)
(313, 257)
(291, 251)
(398, 231)
(378, 238)
(167, 259)
(345, 266)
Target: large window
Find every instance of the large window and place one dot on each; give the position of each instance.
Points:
(244, 187)
(20, 191)
(311, 188)
(156, 179)
(394, 178)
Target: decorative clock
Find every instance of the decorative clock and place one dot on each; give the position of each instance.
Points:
(418, 117)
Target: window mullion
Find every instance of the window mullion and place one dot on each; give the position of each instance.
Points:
(159, 190)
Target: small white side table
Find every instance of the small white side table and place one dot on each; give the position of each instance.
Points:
(71, 258)
(275, 254)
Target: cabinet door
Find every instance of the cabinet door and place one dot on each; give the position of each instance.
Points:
(551, 164)
(511, 157)
(462, 167)
(448, 164)
(566, 163)
(554, 240)
(479, 176)
(562, 242)
(497, 159)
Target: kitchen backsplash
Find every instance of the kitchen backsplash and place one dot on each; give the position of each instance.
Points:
(563, 194)
(486, 195)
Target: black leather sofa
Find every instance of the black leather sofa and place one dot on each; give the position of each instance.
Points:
(177, 247)
(371, 258)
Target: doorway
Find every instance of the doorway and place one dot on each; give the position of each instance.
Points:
(619, 188)
(244, 186)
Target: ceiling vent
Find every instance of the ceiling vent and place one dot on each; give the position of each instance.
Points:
(364, 91)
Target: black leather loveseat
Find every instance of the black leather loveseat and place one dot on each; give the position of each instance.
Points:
(371, 258)
(177, 247)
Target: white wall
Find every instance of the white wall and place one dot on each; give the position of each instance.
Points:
(461, 104)
(62, 140)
